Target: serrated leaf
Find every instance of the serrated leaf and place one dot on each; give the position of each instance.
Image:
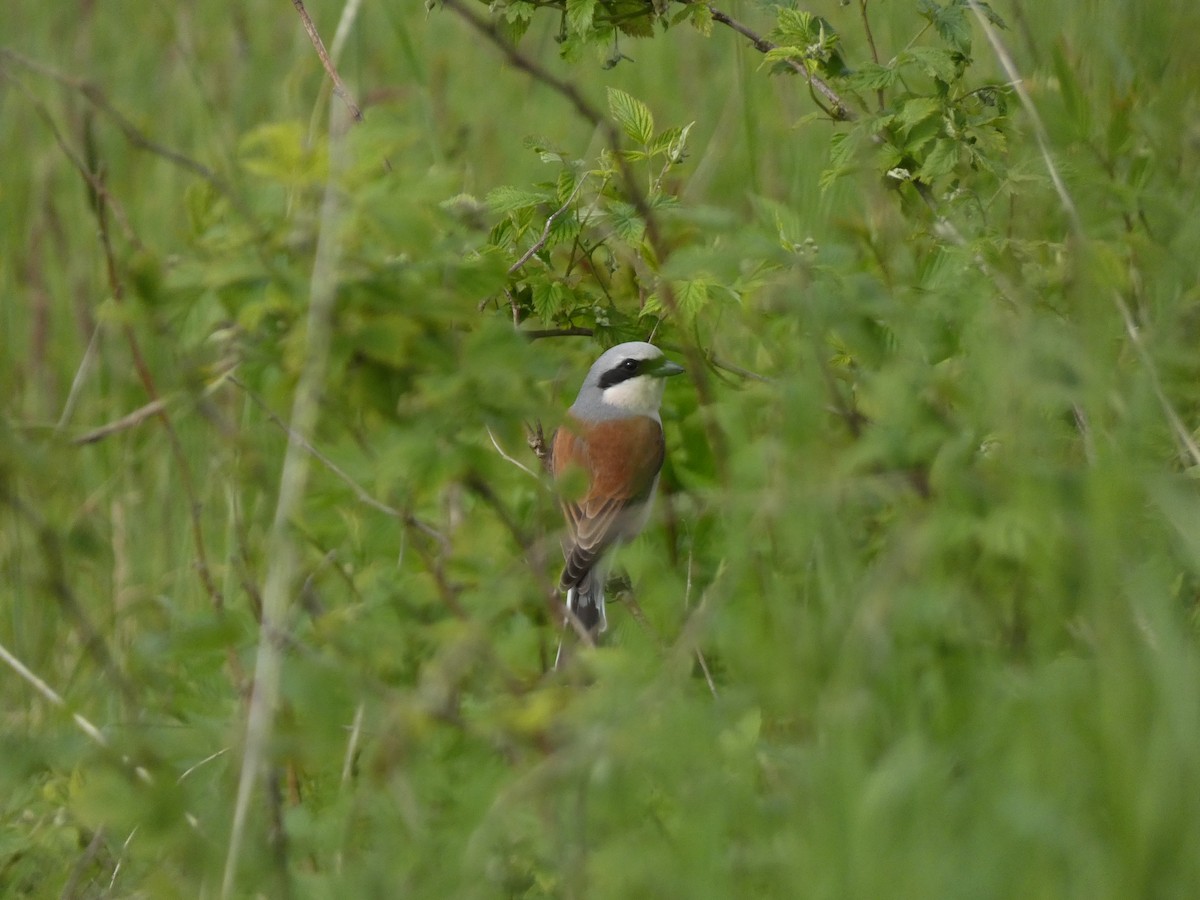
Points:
(632, 115)
(672, 142)
(502, 233)
(652, 306)
(872, 77)
(991, 15)
(505, 198)
(515, 11)
(691, 295)
(579, 15)
(514, 27)
(637, 26)
(937, 62)
(565, 185)
(564, 228)
(784, 54)
(702, 18)
(663, 140)
(625, 221)
(794, 26)
(549, 299)
(918, 110)
(843, 148)
(950, 22)
(920, 135)
(940, 161)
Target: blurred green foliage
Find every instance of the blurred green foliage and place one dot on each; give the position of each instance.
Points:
(928, 521)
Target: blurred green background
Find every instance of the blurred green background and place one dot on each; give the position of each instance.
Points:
(934, 535)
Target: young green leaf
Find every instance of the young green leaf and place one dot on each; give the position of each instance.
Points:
(941, 160)
(632, 115)
(579, 15)
(506, 198)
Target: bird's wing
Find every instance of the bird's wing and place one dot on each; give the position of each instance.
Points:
(621, 459)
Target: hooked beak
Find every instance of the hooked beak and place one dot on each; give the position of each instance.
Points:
(666, 368)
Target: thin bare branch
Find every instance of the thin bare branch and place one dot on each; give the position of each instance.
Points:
(536, 334)
(541, 241)
(718, 363)
(52, 695)
(339, 88)
(838, 111)
(359, 491)
(95, 180)
(520, 465)
(131, 420)
(192, 768)
(539, 445)
(862, 5)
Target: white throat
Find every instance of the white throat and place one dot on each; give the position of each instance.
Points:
(640, 396)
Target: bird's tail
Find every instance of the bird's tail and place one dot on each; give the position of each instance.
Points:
(586, 601)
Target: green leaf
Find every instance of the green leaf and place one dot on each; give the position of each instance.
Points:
(549, 299)
(281, 151)
(795, 26)
(515, 22)
(918, 110)
(691, 295)
(637, 26)
(942, 159)
(843, 148)
(506, 199)
(702, 19)
(784, 54)
(950, 22)
(672, 142)
(991, 15)
(920, 135)
(937, 62)
(632, 115)
(625, 221)
(579, 15)
(872, 77)
(565, 185)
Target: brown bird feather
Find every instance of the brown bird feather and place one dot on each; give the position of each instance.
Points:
(621, 458)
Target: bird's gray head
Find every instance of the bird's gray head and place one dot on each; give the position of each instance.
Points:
(626, 380)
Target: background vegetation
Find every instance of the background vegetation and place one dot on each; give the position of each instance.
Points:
(918, 617)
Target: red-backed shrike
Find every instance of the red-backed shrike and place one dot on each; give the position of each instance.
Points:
(613, 435)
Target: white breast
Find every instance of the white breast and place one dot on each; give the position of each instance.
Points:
(640, 396)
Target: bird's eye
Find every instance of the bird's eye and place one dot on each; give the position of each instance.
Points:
(630, 365)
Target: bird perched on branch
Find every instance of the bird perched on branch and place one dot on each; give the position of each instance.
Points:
(613, 435)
